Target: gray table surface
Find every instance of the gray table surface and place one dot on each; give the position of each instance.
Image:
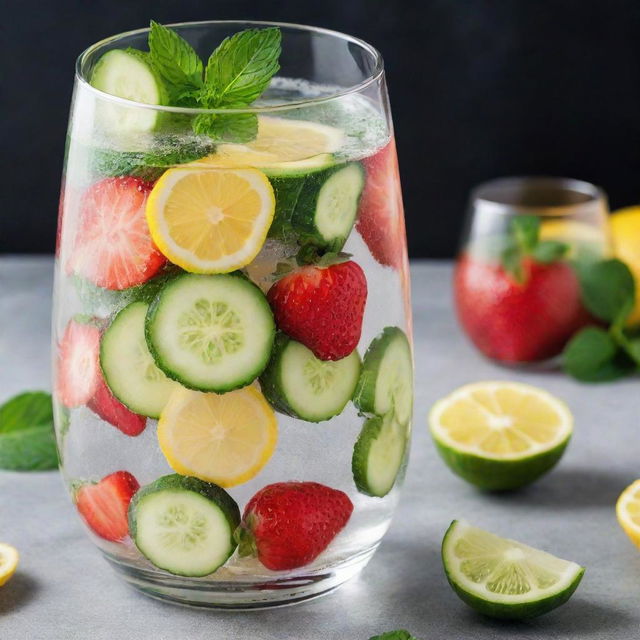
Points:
(65, 591)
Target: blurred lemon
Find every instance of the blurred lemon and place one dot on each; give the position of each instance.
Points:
(628, 511)
(625, 227)
(585, 240)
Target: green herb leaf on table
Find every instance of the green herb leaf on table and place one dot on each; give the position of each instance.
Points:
(27, 438)
(175, 59)
(400, 634)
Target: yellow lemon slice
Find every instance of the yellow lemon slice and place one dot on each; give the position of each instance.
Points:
(628, 511)
(280, 140)
(625, 227)
(581, 237)
(8, 562)
(210, 220)
(225, 439)
(500, 435)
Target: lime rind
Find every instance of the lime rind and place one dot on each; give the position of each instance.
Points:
(483, 568)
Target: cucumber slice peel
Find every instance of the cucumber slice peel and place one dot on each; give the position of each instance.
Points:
(378, 455)
(184, 525)
(503, 578)
(300, 385)
(210, 332)
(127, 364)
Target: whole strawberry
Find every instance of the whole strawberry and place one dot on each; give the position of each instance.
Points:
(289, 524)
(322, 307)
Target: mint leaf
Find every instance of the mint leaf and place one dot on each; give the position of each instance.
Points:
(512, 263)
(592, 355)
(29, 409)
(549, 251)
(400, 634)
(232, 127)
(27, 438)
(525, 230)
(607, 287)
(174, 59)
(240, 69)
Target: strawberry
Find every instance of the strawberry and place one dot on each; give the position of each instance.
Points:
(103, 506)
(77, 366)
(513, 320)
(80, 380)
(113, 247)
(322, 307)
(109, 408)
(380, 215)
(289, 524)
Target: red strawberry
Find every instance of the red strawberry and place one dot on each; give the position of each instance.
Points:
(513, 321)
(109, 408)
(104, 505)
(113, 247)
(322, 307)
(77, 367)
(380, 217)
(289, 524)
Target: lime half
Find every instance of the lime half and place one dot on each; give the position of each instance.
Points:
(500, 435)
(503, 578)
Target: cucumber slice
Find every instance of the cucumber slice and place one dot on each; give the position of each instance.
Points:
(128, 367)
(211, 332)
(184, 525)
(386, 381)
(300, 385)
(378, 455)
(129, 74)
(318, 207)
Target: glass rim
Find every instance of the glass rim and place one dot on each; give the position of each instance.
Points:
(484, 195)
(373, 77)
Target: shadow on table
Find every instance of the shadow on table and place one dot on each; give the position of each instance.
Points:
(576, 488)
(17, 593)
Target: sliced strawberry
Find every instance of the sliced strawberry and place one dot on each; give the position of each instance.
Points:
(380, 216)
(322, 307)
(289, 524)
(104, 505)
(113, 246)
(109, 408)
(77, 366)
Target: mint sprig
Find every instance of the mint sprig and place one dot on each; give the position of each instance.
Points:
(524, 241)
(27, 438)
(237, 73)
(597, 354)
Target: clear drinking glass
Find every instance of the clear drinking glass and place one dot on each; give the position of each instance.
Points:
(516, 290)
(128, 408)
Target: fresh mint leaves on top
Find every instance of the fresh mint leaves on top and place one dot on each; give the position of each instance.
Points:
(524, 241)
(27, 439)
(595, 354)
(236, 74)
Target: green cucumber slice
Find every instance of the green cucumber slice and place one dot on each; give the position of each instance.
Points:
(128, 367)
(211, 332)
(300, 385)
(318, 207)
(129, 74)
(378, 455)
(386, 381)
(184, 525)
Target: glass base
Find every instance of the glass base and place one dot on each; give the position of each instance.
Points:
(243, 593)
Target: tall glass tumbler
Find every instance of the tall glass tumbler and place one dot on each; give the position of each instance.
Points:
(231, 327)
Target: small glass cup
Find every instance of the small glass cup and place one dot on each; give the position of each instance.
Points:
(110, 274)
(515, 286)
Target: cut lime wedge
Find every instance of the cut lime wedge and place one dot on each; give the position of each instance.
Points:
(503, 578)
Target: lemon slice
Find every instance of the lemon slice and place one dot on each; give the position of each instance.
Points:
(503, 578)
(500, 435)
(628, 511)
(225, 439)
(8, 562)
(279, 140)
(209, 220)
(584, 240)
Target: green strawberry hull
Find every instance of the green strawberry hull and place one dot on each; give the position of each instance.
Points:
(500, 475)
